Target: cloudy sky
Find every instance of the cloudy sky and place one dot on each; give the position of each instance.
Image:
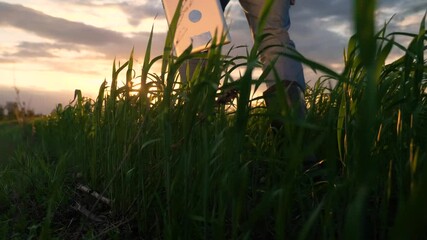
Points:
(48, 48)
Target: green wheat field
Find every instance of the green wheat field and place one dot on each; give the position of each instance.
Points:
(158, 159)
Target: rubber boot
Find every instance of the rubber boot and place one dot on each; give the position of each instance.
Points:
(290, 99)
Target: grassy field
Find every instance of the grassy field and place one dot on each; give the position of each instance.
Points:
(158, 159)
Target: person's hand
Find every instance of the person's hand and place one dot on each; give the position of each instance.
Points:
(292, 2)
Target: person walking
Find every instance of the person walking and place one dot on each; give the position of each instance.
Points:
(288, 71)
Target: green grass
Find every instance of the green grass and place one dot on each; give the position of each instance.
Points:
(13, 136)
(9, 132)
(177, 165)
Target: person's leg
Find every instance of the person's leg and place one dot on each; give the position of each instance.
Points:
(224, 3)
(289, 71)
(291, 97)
(277, 26)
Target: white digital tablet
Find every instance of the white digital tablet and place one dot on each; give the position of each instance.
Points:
(199, 21)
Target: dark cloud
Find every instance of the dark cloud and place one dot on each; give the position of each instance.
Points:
(405, 6)
(315, 29)
(56, 28)
(341, 9)
(6, 60)
(68, 35)
(137, 13)
(39, 49)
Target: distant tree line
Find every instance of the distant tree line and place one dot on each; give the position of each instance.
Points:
(14, 110)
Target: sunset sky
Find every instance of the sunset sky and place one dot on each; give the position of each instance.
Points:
(49, 48)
